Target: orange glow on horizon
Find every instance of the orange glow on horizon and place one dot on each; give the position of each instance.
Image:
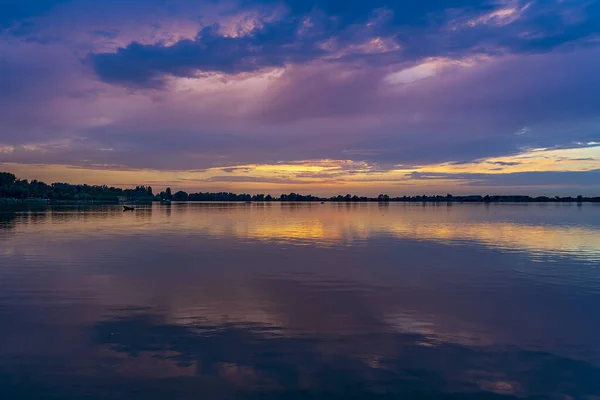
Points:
(322, 177)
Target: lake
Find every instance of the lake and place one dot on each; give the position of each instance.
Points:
(300, 301)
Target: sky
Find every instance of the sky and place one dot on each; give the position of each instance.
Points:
(311, 96)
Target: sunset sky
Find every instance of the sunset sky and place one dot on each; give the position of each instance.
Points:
(312, 96)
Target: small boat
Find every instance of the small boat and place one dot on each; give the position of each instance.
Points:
(129, 208)
(248, 202)
(322, 202)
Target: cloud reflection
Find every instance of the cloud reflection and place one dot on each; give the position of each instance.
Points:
(335, 224)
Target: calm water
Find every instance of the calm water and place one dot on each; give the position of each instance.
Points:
(294, 301)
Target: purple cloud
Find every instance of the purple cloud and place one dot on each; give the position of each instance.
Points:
(343, 32)
(195, 86)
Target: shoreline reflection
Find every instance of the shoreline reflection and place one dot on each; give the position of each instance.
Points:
(333, 224)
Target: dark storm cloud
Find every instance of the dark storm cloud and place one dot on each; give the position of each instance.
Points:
(271, 46)
(347, 12)
(314, 29)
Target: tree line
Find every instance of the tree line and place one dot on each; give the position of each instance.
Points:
(11, 187)
(382, 198)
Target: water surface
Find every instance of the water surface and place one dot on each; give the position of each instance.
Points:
(297, 300)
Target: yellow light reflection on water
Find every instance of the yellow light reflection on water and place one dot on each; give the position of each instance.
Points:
(330, 224)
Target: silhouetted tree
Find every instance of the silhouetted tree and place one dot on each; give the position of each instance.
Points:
(7, 179)
(180, 196)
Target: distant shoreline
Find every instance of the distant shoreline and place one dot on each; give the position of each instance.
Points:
(22, 190)
(457, 200)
